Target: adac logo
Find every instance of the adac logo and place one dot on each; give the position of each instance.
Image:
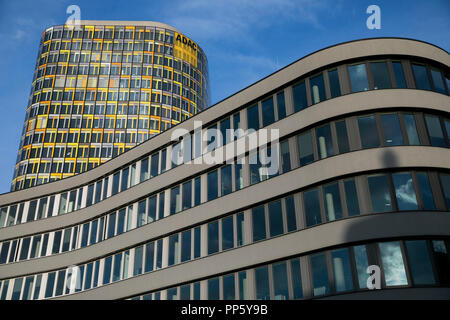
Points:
(186, 41)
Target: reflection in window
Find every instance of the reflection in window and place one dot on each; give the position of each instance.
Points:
(321, 283)
(361, 263)
(333, 78)
(262, 283)
(290, 214)
(421, 77)
(420, 262)
(379, 193)
(435, 131)
(242, 281)
(399, 74)
(324, 142)
(411, 129)
(380, 73)
(392, 261)
(317, 88)
(442, 261)
(358, 77)
(312, 207)
(175, 200)
(299, 93)
(341, 269)
(305, 148)
(186, 246)
(280, 281)
(332, 199)
(368, 132)
(391, 130)
(404, 191)
(187, 195)
(173, 250)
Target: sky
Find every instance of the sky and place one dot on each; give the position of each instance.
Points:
(244, 40)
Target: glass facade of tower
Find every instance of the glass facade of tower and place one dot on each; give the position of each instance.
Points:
(101, 89)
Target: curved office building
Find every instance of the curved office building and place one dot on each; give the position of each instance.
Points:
(101, 88)
(359, 140)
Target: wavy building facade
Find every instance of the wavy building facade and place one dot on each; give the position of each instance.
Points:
(363, 180)
(101, 88)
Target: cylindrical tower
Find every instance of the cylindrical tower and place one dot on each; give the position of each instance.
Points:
(101, 88)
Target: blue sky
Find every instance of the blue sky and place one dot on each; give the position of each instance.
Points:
(245, 40)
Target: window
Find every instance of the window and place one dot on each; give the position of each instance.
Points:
(317, 87)
(341, 270)
(445, 182)
(173, 250)
(421, 77)
(438, 81)
(342, 137)
(296, 277)
(137, 266)
(213, 289)
(275, 218)
(321, 283)
(399, 74)
(141, 214)
(351, 197)
(280, 281)
(299, 93)
(380, 73)
(312, 207)
(411, 130)
(305, 148)
(253, 117)
(361, 263)
(379, 193)
(228, 287)
(268, 112)
(358, 77)
(281, 105)
(187, 195)
(240, 233)
(368, 132)
(391, 130)
(227, 233)
(392, 262)
(324, 142)
(197, 194)
(333, 78)
(285, 157)
(175, 200)
(435, 131)
(144, 169)
(186, 246)
(404, 191)
(259, 223)
(419, 262)
(224, 129)
(213, 237)
(262, 283)
(226, 180)
(212, 185)
(425, 191)
(332, 199)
